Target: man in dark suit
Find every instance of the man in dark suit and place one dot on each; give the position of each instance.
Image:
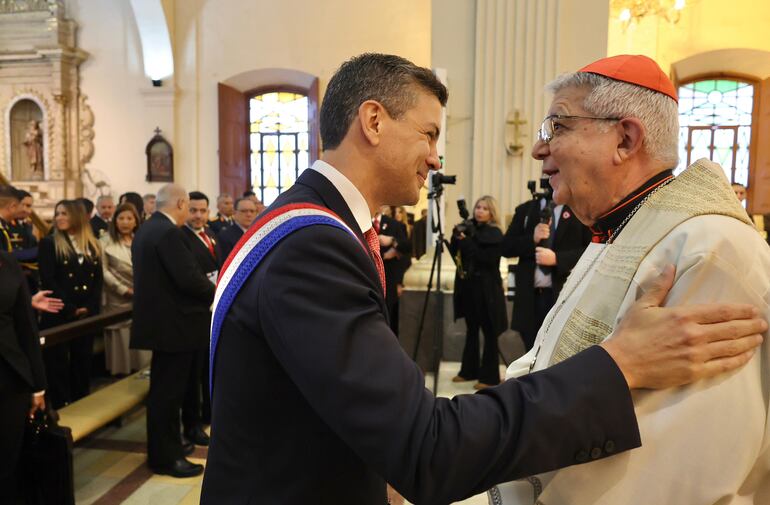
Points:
(245, 212)
(105, 208)
(394, 245)
(547, 252)
(196, 410)
(171, 305)
(314, 401)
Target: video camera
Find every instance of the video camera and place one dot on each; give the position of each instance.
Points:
(545, 185)
(467, 226)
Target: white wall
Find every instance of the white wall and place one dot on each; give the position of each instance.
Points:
(126, 107)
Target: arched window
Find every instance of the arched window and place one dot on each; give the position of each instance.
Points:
(279, 141)
(715, 122)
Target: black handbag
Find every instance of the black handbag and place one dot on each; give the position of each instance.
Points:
(46, 462)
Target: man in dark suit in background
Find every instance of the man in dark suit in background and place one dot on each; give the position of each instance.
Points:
(547, 253)
(394, 245)
(196, 410)
(105, 208)
(314, 401)
(171, 304)
(245, 212)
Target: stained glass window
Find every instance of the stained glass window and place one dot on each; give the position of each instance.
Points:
(278, 129)
(715, 123)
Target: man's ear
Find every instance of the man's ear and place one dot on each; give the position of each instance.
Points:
(371, 114)
(632, 134)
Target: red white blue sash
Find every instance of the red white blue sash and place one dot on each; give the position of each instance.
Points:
(252, 248)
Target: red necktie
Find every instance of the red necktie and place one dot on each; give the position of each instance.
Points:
(207, 241)
(374, 247)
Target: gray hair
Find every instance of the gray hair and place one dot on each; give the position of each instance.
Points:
(610, 98)
(103, 198)
(168, 195)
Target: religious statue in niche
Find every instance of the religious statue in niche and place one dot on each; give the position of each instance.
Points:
(33, 142)
(27, 147)
(160, 159)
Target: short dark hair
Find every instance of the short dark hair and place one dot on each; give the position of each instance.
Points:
(88, 205)
(197, 195)
(8, 193)
(247, 194)
(239, 200)
(385, 78)
(21, 194)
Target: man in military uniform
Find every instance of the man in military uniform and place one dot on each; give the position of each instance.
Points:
(23, 240)
(224, 217)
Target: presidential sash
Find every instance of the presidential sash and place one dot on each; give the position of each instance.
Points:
(253, 247)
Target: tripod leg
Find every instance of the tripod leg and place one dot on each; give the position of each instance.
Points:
(421, 326)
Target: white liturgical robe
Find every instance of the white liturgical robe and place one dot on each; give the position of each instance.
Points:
(706, 443)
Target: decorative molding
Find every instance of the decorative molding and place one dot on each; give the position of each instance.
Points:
(86, 131)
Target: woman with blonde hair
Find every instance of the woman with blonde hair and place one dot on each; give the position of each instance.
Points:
(478, 294)
(119, 290)
(71, 267)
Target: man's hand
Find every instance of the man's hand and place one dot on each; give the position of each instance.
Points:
(81, 312)
(658, 347)
(542, 232)
(390, 254)
(38, 403)
(545, 257)
(386, 241)
(41, 302)
(393, 497)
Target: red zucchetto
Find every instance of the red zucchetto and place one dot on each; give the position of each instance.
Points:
(634, 69)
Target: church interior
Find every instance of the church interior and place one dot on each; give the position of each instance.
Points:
(105, 97)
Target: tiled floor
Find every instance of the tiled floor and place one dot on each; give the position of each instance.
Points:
(110, 466)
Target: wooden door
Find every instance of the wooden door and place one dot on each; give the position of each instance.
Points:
(234, 168)
(759, 183)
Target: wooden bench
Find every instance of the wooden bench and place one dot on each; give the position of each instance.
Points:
(102, 407)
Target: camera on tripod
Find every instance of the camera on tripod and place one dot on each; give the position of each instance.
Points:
(545, 186)
(437, 181)
(467, 226)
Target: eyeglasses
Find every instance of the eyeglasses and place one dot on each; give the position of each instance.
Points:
(547, 127)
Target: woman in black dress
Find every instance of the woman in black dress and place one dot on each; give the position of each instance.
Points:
(478, 294)
(70, 266)
(22, 379)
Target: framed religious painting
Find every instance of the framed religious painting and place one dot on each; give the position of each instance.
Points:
(160, 159)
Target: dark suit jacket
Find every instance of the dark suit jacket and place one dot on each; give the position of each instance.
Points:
(571, 239)
(171, 295)
(220, 223)
(206, 264)
(395, 267)
(19, 340)
(228, 237)
(315, 401)
(78, 285)
(479, 291)
(99, 226)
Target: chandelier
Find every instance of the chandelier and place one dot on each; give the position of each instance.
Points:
(631, 11)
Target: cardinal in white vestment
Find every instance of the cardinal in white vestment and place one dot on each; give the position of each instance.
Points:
(609, 144)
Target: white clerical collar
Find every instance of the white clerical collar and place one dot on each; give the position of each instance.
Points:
(349, 192)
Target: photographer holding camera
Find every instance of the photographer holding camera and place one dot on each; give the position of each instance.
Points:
(548, 240)
(478, 295)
